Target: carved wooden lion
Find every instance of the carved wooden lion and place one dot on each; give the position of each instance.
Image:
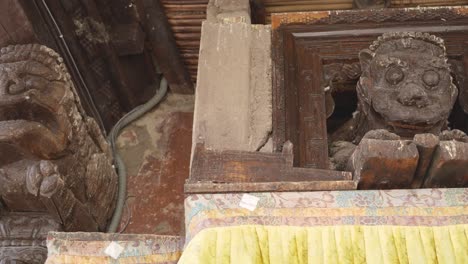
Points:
(405, 96)
(54, 162)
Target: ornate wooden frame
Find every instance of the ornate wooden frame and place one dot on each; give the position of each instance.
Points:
(304, 42)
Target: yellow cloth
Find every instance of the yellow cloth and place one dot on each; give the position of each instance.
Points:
(334, 244)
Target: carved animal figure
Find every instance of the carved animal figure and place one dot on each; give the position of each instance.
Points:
(54, 162)
(405, 90)
(405, 85)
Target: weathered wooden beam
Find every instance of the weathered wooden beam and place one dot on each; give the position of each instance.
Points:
(119, 11)
(384, 164)
(449, 167)
(41, 32)
(257, 8)
(128, 39)
(236, 170)
(284, 186)
(119, 78)
(158, 31)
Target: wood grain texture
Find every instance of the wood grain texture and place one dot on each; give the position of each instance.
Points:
(312, 145)
(283, 186)
(426, 144)
(257, 171)
(449, 167)
(384, 164)
(185, 18)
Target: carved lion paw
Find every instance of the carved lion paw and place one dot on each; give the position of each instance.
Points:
(381, 134)
(340, 152)
(43, 179)
(453, 134)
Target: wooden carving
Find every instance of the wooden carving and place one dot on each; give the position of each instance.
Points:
(412, 120)
(405, 91)
(53, 158)
(405, 85)
(23, 236)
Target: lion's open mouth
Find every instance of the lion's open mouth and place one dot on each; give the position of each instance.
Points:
(31, 129)
(408, 128)
(30, 112)
(415, 126)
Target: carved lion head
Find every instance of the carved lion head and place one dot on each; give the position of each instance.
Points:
(406, 83)
(37, 104)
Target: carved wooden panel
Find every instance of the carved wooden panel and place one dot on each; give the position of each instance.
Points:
(312, 126)
(305, 44)
(23, 237)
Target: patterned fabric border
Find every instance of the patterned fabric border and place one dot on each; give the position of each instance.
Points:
(421, 207)
(89, 248)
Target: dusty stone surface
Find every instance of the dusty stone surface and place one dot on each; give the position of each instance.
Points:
(268, 147)
(156, 150)
(149, 135)
(260, 124)
(233, 98)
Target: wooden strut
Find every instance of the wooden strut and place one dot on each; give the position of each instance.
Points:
(163, 42)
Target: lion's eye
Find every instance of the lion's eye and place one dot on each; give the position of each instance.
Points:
(394, 75)
(431, 78)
